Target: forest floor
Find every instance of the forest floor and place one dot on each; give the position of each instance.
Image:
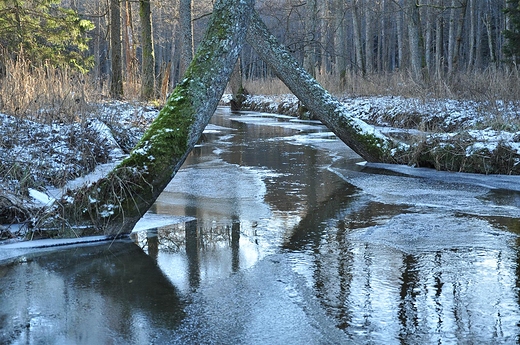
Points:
(42, 160)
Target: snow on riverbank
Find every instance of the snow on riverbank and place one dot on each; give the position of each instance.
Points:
(39, 160)
(453, 135)
(444, 115)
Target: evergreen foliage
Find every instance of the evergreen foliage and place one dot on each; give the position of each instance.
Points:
(44, 33)
(512, 35)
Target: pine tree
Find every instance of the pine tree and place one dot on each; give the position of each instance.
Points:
(44, 33)
(512, 35)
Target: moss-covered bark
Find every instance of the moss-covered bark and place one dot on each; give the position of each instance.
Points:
(362, 138)
(115, 203)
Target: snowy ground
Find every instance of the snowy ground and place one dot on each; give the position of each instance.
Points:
(39, 160)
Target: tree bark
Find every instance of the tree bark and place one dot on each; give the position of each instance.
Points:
(413, 39)
(340, 42)
(148, 68)
(311, 25)
(129, 46)
(369, 39)
(116, 72)
(186, 33)
(358, 47)
(362, 138)
(115, 203)
(238, 92)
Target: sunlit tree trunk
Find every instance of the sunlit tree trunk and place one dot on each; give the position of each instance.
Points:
(128, 35)
(115, 203)
(148, 67)
(116, 70)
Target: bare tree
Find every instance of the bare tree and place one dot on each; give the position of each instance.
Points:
(148, 67)
(311, 25)
(358, 46)
(116, 71)
(186, 33)
(413, 19)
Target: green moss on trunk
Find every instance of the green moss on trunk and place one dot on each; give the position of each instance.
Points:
(115, 203)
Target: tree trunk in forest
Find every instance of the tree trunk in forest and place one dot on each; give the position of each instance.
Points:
(472, 24)
(428, 38)
(369, 42)
(128, 35)
(340, 43)
(413, 39)
(238, 92)
(452, 37)
(116, 71)
(458, 34)
(186, 33)
(148, 68)
(439, 62)
(362, 138)
(115, 203)
(358, 47)
(400, 39)
(311, 24)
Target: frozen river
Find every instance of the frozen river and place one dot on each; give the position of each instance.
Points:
(274, 233)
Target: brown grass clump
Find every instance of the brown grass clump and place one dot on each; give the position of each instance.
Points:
(44, 93)
(489, 85)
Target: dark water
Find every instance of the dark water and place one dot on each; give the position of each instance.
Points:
(289, 242)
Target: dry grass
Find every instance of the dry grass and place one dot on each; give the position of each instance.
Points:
(489, 85)
(43, 93)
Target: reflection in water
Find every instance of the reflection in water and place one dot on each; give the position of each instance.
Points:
(235, 244)
(398, 287)
(97, 294)
(408, 305)
(286, 226)
(192, 254)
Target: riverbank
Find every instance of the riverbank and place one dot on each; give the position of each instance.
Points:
(42, 160)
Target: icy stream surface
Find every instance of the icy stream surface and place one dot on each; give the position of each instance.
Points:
(273, 233)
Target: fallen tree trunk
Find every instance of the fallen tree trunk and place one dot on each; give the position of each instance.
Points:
(364, 139)
(116, 202)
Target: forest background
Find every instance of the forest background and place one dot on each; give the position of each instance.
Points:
(59, 56)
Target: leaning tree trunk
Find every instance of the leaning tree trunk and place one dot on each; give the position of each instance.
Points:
(115, 203)
(365, 140)
(426, 150)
